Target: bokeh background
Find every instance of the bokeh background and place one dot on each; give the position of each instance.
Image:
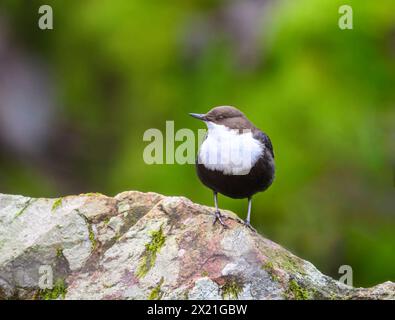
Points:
(76, 100)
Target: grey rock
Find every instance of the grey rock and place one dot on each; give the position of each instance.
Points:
(147, 246)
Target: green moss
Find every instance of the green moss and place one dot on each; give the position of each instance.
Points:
(27, 204)
(283, 260)
(92, 194)
(204, 273)
(333, 296)
(106, 220)
(117, 237)
(59, 253)
(292, 266)
(90, 231)
(156, 293)
(57, 203)
(151, 249)
(92, 237)
(58, 290)
(232, 288)
(269, 268)
(295, 291)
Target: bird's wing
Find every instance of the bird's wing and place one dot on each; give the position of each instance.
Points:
(264, 138)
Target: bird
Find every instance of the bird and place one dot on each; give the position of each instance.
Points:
(235, 159)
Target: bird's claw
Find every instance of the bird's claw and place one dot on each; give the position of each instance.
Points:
(248, 225)
(218, 217)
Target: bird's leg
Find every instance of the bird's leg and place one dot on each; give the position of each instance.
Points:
(218, 215)
(247, 221)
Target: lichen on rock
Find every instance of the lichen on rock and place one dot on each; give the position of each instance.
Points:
(147, 246)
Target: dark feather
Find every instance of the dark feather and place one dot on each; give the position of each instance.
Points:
(264, 139)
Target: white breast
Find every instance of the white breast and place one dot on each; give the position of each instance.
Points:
(229, 151)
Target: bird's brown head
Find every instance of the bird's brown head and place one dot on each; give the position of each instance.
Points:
(225, 115)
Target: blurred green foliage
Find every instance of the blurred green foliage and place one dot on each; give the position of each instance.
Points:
(325, 96)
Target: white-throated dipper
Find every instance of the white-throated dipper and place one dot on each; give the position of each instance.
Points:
(235, 159)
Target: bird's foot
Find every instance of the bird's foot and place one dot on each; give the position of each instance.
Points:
(218, 217)
(248, 225)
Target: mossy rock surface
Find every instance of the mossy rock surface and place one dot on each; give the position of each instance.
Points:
(148, 246)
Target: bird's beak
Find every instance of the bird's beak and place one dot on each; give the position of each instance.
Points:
(199, 116)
